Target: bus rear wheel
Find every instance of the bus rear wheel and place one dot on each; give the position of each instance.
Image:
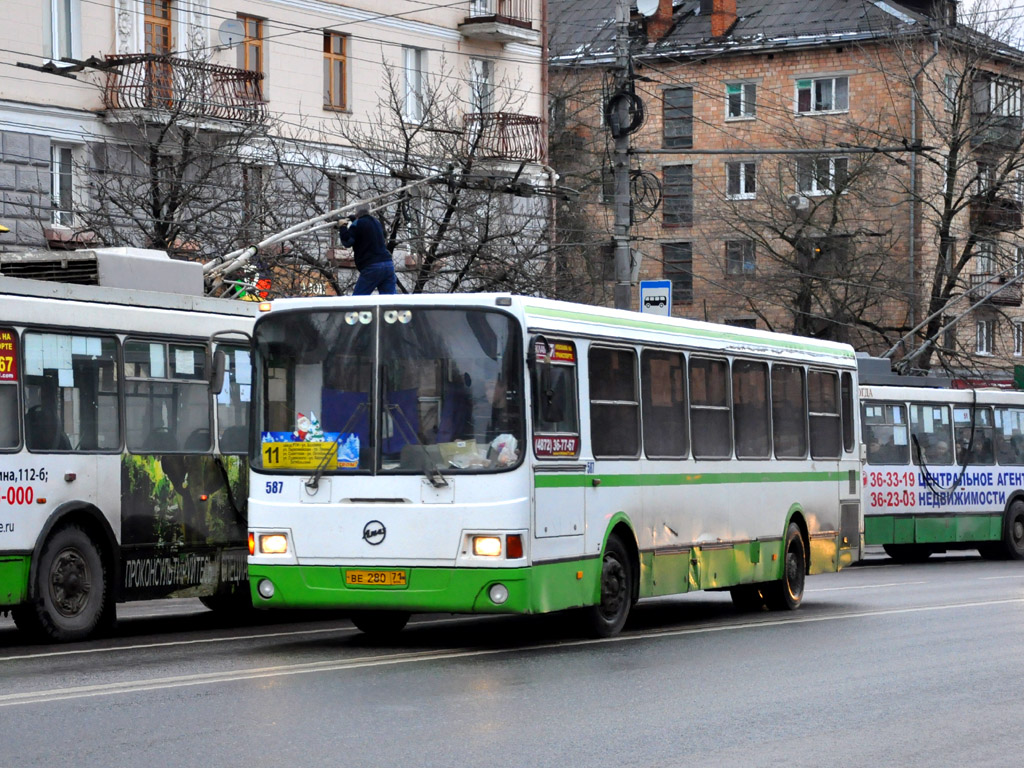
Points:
(1013, 531)
(787, 593)
(609, 616)
(380, 623)
(69, 595)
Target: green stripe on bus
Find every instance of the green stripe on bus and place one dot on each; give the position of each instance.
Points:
(686, 478)
(699, 333)
(14, 571)
(936, 529)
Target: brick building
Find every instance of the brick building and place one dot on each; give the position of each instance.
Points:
(831, 168)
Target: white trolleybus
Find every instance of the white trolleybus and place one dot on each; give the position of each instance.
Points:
(121, 476)
(486, 453)
(945, 467)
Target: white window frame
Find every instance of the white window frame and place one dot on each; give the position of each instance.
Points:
(747, 92)
(813, 86)
(415, 66)
(985, 336)
(62, 196)
(481, 85)
(62, 16)
(949, 88)
(816, 187)
(985, 258)
(1018, 339)
(739, 167)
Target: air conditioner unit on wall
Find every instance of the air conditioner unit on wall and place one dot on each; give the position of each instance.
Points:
(798, 202)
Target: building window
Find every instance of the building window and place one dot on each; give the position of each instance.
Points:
(949, 85)
(677, 191)
(415, 70)
(985, 259)
(1018, 261)
(677, 259)
(740, 180)
(986, 330)
(948, 329)
(739, 257)
(254, 210)
(250, 51)
(741, 322)
(678, 122)
(821, 175)
(481, 86)
(335, 70)
(740, 101)
(1018, 339)
(61, 186)
(62, 22)
(823, 94)
(997, 96)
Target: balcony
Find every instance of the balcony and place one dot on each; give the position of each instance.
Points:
(1008, 296)
(996, 133)
(504, 136)
(191, 89)
(501, 21)
(999, 214)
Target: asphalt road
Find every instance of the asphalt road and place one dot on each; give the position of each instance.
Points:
(893, 665)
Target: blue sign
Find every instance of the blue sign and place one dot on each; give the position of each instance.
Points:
(656, 297)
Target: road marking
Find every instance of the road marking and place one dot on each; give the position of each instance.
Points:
(998, 578)
(286, 670)
(868, 586)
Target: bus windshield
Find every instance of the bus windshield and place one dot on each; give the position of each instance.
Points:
(389, 390)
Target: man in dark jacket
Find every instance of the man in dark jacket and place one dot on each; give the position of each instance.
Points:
(365, 236)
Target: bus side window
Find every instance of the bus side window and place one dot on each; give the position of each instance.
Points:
(750, 409)
(885, 433)
(823, 409)
(789, 412)
(1009, 436)
(846, 393)
(709, 408)
(70, 396)
(8, 416)
(973, 445)
(931, 434)
(614, 403)
(663, 376)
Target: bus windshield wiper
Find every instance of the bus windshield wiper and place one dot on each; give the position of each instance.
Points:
(432, 473)
(313, 482)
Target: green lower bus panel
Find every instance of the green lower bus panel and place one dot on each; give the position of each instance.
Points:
(539, 589)
(908, 529)
(14, 579)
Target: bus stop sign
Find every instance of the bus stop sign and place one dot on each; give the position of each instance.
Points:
(656, 297)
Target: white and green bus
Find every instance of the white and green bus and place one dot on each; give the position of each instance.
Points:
(481, 453)
(945, 470)
(121, 476)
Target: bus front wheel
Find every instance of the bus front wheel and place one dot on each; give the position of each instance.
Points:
(70, 589)
(380, 623)
(788, 592)
(609, 616)
(1013, 531)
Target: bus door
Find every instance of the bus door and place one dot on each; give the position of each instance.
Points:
(559, 475)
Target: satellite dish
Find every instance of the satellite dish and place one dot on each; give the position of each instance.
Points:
(647, 7)
(231, 32)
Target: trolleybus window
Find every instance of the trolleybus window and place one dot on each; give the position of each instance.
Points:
(233, 401)
(664, 405)
(555, 413)
(885, 433)
(973, 436)
(849, 436)
(750, 409)
(71, 393)
(167, 398)
(614, 405)
(823, 402)
(931, 435)
(8, 389)
(789, 412)
(1009, 435)
(709, 408)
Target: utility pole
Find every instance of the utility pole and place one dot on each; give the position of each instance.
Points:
(620, 160)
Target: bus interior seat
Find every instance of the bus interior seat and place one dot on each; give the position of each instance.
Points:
(42, 432)
(199, 441)
(160, 440)
(234, 440)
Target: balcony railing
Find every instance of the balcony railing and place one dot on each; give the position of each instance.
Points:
(996, 132)
(194, 89)
(999, 214)
(503, 21)
(1009, 295)
(504, 136)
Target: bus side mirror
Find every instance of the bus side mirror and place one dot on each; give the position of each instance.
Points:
(220, 364)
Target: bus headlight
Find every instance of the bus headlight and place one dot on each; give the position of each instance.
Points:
(487, 546)
(273, 544)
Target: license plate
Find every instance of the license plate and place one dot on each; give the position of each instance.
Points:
(376, 578)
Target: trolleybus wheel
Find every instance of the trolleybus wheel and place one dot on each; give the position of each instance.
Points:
(70, 590)
(747, 597)
(788, 592)
(380, 623)
(1013, 531)
(907, 553)
(609, 616)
